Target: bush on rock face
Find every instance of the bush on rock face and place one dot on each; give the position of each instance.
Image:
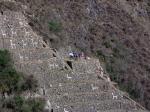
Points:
(55, 26)
(19, 104)
(5, 59)
(14, 83)
(11, 80)
(29, 83)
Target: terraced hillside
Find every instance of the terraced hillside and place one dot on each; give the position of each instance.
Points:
(79, 88)
(116, 30)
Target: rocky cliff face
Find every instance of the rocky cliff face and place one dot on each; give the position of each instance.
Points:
(116, 30)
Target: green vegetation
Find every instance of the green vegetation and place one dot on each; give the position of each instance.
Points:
(14, 83)
(101, 55)
(11, 80)
(134, 93)
(116, 64)
(107, 44)
(115, 61)
(5, 60)
(19, 104)
(55, 26)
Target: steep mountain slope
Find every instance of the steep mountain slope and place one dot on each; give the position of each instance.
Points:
(116, 30)
(82, 86)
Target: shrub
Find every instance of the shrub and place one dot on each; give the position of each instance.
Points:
(37, 105)
(13, 103)
(116, 52)
(134, 93)
(29, 83)
(107, 44)
(101, 55)
(10, 79)
(19, 104)
(5, 59)
(14, 82)
(55, 26)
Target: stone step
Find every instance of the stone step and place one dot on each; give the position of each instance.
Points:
(77, 87)
(19, 43)
(86, 97)
(32, 54)
(40, 69)
(64, 76)
(39, 66)
(100, 106)
(85, 66)
(76, 82)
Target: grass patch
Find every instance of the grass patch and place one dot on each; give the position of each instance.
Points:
(55, 26)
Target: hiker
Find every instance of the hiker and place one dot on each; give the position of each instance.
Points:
(76, 55)
(82, 55)
(79, 55)
(88, 58)
(71, 55)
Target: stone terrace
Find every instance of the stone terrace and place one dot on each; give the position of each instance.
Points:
(79, 88)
